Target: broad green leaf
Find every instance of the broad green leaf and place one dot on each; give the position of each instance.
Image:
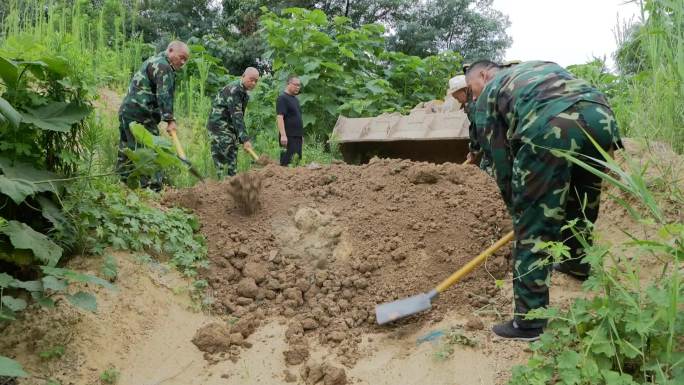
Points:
(142, 135)
(57, 116)
(305, 79)
(158, 150)
(85, 301)
(24, 237)
(28, 285)
(303, 99)
(14, 304)
(348, 53)
(58, 65)
(53, 213)
(18, 189)
(376, 87)
(333, 66)
(20, 172)
(9, 72)
(311, 66)
(6, 280)
(52, 283)
(43, 300)
(8, 113)
(10, 367)
(318, 17)
(73, 276)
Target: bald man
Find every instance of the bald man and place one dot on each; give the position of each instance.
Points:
(149, 101)
(226, 122)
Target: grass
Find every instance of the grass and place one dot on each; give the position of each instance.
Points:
(653, 105)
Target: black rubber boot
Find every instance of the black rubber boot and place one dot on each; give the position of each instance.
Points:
(512, 331)
(563, 268)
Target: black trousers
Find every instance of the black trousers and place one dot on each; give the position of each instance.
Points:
(294, 146)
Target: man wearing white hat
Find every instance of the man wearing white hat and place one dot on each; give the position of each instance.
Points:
(459, 90)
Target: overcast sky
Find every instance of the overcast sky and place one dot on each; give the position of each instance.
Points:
(564, 31)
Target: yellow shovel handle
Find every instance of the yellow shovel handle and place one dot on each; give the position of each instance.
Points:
(177, 144)
(252, 153)
(462, 272)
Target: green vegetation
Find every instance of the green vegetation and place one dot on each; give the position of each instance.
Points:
(53, 353)
(110, 376)
(59, 195)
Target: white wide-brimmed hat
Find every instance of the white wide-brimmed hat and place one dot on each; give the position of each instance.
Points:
(456, 83)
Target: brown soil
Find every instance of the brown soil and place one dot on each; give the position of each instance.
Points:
(330, 243)
(245, 189)
(294, 285)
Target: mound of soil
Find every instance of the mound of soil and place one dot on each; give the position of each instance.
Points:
(330, 243)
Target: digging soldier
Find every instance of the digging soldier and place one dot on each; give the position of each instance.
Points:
(149, 101)
(522, 114)
(226, 122)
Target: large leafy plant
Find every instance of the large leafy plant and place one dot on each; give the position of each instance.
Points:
(41, 116)
(42, 112)
(346, 70)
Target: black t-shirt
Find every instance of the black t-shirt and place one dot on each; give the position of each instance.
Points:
(288, 106)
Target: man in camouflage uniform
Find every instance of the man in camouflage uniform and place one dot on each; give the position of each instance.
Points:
(226, 122)
(149, 101)
(521, 114)
(458, 88)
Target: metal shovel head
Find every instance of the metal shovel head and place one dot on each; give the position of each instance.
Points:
(392, 311)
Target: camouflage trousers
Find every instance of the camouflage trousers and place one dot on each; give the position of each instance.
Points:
(224, 149)
(124, 166)
(548, 191)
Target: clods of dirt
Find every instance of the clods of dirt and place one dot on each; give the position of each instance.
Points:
(316, 373)
(330, 243)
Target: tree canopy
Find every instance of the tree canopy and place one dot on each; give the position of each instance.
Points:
(473, 28)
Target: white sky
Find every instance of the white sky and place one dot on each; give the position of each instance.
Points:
(564, 31)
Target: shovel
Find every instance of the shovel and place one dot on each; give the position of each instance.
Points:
(260, 160)
(252, 154)
(182, 157)
(392, 311)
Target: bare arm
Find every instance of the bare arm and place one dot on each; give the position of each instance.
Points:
(281, 129)
(281, 124)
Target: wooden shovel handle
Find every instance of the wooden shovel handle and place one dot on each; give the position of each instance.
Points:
(252, 153)
(177, 144)
(477, 261)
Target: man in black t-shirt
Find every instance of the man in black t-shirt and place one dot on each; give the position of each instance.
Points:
(289, 120)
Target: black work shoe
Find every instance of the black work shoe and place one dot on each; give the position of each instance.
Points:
(512, 331)
(559, 267)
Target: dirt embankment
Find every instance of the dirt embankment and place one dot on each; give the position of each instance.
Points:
(294, 285)
(330, 243)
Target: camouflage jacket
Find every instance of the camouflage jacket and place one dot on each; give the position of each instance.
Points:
(515, 106)
(228, 110)
(150, 94)
(473, 143)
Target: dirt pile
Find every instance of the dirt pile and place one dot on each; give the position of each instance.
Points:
(330, 243)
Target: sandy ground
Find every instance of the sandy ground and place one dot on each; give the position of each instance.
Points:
(145, 330)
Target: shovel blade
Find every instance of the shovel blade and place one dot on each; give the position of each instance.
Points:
(392, 311)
